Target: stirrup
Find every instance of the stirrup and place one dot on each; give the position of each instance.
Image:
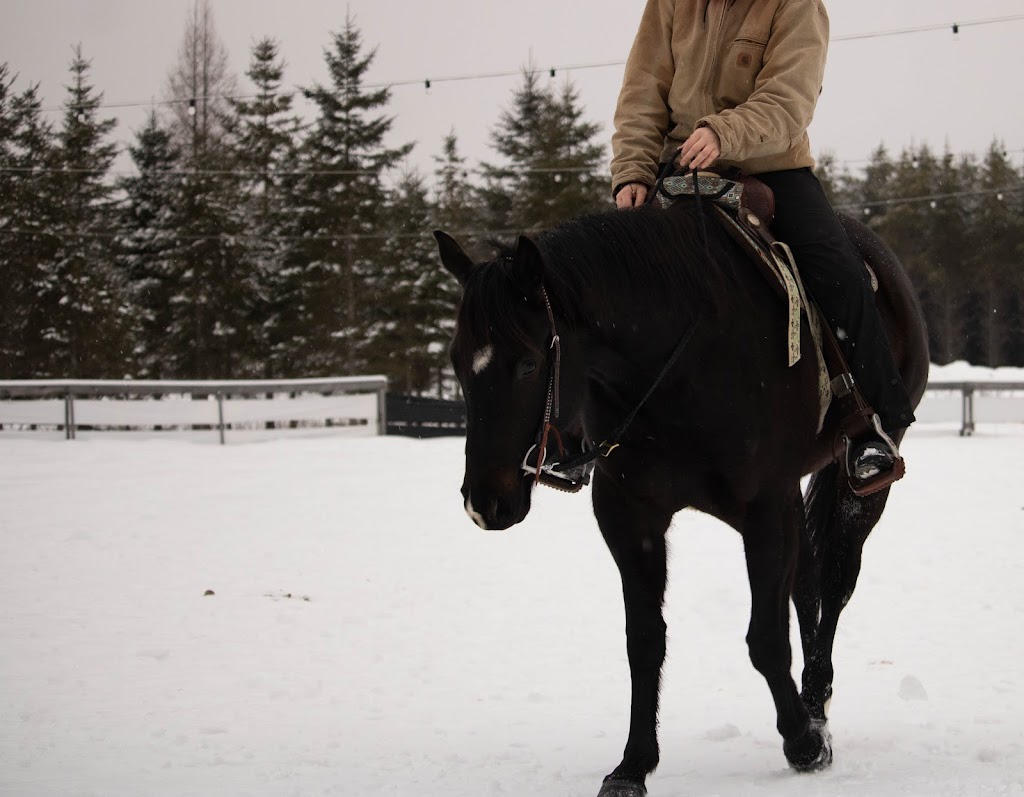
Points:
(873, 462)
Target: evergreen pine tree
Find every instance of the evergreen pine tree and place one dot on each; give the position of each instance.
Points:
(338, 201)
(32, 211)
(214, 288)
(904, 221)
(456, 210)
(402, 334)
(551, 160)
(947, 254)
(263, 137)
(877, 186)
(15, 268)
(998, 242)
(82, 297)
(145, 243)
(456, 204)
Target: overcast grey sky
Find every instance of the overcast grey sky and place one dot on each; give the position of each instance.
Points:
(907, 89)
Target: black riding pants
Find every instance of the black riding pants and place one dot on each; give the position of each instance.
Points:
(834, 274)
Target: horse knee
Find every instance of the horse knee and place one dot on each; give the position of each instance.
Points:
(769, 655)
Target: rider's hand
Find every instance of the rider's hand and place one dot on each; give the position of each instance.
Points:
(700, 150)
(631, 195)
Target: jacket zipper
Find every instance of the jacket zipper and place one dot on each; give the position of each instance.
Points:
(716, 45)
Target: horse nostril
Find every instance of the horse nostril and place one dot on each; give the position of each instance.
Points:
(501, 513)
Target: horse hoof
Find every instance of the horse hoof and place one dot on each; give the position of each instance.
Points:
(621, 788)
(812, 751)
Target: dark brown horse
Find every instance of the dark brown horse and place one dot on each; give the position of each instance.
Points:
(578, 327)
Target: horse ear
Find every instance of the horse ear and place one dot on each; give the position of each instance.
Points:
(529, 267)
(453, 257)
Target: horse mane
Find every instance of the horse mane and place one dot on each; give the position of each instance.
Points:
(647, 258)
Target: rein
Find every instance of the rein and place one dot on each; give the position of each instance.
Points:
(572, 473)
(560, 469)
(551, 404)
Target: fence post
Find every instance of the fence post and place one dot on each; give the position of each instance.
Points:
(382, 409)
(69, 416)
(967, 422)
(220, 415)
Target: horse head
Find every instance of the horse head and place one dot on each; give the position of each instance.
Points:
(503, 357)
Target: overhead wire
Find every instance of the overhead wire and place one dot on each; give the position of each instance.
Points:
(352, 172)
(934, 199)
(429, 82)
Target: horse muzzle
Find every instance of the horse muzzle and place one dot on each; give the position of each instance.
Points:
(498, 507)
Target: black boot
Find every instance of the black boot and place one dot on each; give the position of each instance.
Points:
(869, 458)
(872, 460)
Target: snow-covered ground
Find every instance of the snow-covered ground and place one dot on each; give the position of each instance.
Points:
(363, 637)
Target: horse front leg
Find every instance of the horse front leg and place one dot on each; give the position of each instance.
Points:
(635, 535)
(771, 540)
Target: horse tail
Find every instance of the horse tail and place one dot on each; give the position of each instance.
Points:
(837, 524)
(819, 510)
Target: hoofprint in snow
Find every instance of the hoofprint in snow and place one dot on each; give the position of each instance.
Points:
(363, 637)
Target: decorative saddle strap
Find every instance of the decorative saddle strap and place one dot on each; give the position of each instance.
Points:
(751, 231)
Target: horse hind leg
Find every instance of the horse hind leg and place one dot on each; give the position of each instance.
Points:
(635, 535)
(838, 525)
(771, 538)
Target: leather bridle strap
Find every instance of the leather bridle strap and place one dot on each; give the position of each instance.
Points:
(612, 442)
(551, 405)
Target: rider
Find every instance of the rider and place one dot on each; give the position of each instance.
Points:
(734, 83)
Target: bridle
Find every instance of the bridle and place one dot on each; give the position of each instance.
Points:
(572, 473)
(551, 403)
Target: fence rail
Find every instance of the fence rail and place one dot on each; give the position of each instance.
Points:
(68, 390)
(985, 401)
(969, 390)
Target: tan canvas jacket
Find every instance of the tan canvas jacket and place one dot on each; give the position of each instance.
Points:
(749, 69)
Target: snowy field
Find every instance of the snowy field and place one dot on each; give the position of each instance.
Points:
(363, 637)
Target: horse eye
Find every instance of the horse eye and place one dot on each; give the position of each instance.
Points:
(525, 368)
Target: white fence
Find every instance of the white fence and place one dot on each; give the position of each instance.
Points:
(972, 403)
(356, 404)
(353, 403)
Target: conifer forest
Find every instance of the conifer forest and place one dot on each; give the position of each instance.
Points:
(252, 241)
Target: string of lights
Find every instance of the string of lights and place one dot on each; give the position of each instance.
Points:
(265, 173)
(932, 199)
(427, 83)
(865, 207)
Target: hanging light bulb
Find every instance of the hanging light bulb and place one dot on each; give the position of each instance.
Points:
(80, 116)
(192, 107)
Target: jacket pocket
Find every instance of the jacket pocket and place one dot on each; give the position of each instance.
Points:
(738, 72)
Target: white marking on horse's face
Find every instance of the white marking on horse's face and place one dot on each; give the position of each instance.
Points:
(482, 359)
(475, 516)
